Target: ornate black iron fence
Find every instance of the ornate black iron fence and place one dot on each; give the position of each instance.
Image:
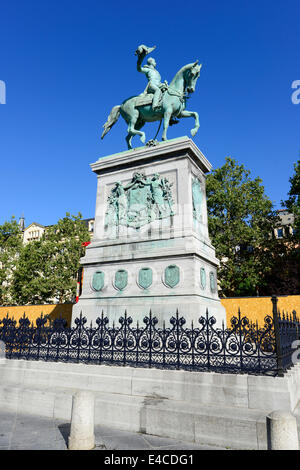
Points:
(243, 347)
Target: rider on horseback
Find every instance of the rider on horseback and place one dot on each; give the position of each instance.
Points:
(136, 110)
(153, 76)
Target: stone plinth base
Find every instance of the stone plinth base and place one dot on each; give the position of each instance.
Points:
(190, 307)
(151, 247)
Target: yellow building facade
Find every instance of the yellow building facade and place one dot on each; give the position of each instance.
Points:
(32, 312)
(255, 308)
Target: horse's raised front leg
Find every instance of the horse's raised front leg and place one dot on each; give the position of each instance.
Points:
(167, 117)
(193, 114)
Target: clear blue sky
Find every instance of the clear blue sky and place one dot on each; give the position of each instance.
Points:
(66, 63)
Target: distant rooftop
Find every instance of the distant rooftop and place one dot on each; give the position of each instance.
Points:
(286, 218)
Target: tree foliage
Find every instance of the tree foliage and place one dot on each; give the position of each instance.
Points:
(47, 268)
(293, 201)
(286, 273)
(241, 220)
(10, 246)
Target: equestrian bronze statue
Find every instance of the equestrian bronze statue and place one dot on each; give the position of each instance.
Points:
(159, 102)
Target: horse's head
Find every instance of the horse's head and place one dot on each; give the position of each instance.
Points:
(191, 76)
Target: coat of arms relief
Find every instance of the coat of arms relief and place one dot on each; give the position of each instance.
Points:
(141, 201)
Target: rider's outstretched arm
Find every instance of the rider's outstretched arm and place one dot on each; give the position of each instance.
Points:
(141, 52)
(139, 65)
(141, 57)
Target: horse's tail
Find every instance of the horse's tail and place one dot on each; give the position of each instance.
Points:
(111, 120)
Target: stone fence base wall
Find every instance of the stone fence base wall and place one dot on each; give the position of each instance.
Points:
(206, 408)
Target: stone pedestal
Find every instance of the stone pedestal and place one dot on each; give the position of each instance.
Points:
(151, 248)
(82, 421)
(283, 431)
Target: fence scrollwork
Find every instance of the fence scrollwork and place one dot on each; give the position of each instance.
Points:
(242, 347)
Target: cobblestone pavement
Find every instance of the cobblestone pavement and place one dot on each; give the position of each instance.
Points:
(24, 432)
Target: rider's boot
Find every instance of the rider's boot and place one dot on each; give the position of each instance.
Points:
(155, 102)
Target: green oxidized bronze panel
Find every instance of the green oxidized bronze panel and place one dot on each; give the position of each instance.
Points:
(212, 281)
(197, 199)
(202, 278)
(172, 275)
(145, 277)
(98, 280)
(121, 279)
(139, 202)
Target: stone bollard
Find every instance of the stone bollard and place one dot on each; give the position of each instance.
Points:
(82, 422)
(283, 431)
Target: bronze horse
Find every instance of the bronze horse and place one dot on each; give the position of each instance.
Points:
(172, 106)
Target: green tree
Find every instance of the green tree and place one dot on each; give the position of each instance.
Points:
(241, 221)
(47, 268)
(289, 270)
(293, 201)
(283, 279)
(10, 247)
